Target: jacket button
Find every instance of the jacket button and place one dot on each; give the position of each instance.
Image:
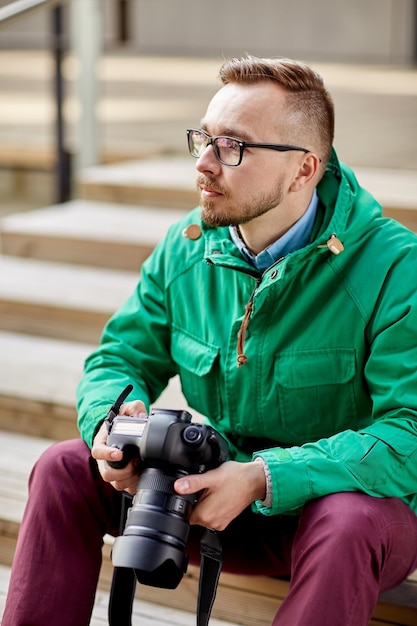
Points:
(274, 273)
(193, 232)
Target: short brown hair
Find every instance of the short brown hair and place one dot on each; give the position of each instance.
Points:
(309, 104)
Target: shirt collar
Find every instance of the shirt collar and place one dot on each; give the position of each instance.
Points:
(295, 238)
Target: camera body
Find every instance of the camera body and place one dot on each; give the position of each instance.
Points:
(167, 446)
(167, 438)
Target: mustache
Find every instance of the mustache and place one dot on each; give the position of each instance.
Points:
(204, 181)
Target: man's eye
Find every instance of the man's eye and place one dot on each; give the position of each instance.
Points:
(229, 144)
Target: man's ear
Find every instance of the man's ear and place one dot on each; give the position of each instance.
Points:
(307, 171)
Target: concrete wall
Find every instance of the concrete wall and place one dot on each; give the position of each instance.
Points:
(381, 31)
(343, 30)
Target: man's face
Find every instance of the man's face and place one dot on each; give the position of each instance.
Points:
(237, 195)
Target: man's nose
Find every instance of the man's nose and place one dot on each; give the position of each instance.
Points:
(207, 161)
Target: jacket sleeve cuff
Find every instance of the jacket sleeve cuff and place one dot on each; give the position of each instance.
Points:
(289, 480)
(267, 502)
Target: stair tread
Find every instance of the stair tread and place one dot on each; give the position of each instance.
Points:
(39, 368)
(143, 612)
(88, 219)
(48, 370)
(64, 285)
(19, 453)
(166, 173)
(86, 232)
(167, 182)
(392, 187)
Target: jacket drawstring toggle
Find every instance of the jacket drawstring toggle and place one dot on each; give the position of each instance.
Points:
(334, 245)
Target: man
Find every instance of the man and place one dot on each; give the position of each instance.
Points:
(287, 304)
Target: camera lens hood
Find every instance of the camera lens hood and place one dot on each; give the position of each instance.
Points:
(155, 563)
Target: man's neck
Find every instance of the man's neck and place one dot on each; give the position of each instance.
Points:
(264, 230)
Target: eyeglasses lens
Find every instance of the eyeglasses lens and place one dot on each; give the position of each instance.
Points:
(197, 143)
(226, 149)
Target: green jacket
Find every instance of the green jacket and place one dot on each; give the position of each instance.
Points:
(328, 395)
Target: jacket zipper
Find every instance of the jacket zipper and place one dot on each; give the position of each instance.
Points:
(241, 335)
(333, 244)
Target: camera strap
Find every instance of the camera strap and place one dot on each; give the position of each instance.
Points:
(123, 585)
(210, 567)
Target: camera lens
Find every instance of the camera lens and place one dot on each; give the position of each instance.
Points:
(156, 531)
(192, 435)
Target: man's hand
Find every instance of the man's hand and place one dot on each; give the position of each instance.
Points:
(125, 479)
(227, 491)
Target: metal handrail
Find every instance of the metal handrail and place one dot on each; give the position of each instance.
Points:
(15, 10)
(18, 7)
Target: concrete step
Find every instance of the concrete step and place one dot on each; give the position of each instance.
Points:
(87, 233)
(144, 612)
(38, 155)
(19, 453)
(170, 182)
(29, 173)
(160, 182)
(38, 386)
(240, 599)
(59, 300)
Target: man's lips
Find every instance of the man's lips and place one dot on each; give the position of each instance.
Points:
(209, 191)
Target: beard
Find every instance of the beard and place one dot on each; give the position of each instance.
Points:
(223, 211)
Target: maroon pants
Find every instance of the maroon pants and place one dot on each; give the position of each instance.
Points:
(340, 553)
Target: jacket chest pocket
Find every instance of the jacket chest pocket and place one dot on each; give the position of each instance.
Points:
(316, 392)
(196, 367)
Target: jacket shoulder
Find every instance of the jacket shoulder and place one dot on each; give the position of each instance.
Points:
(182, 247)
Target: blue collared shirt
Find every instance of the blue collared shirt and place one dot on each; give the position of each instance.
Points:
(295, 238)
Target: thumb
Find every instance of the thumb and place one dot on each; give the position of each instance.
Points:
(189, 484)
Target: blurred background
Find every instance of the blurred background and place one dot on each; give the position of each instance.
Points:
(91, 81)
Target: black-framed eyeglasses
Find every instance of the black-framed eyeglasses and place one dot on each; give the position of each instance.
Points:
(229, 150)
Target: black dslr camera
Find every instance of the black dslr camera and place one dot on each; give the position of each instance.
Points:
(167, 446)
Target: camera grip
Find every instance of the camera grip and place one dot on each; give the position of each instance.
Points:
(129, 452)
